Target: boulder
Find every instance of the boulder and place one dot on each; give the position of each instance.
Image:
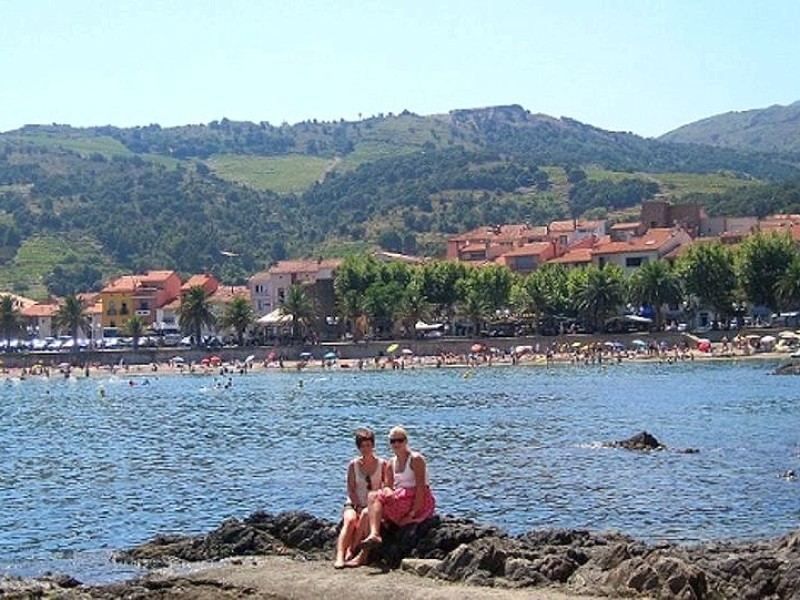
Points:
(643, 442)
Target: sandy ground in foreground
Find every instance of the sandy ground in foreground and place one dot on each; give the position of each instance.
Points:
(281, 577)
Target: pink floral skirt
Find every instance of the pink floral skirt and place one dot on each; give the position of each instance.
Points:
(398, 503)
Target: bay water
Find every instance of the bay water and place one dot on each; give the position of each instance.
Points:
(94, 465)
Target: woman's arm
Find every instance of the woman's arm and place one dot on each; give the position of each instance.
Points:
(419, 467)
(351, 484)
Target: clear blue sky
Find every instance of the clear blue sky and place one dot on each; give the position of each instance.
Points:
(641, 66)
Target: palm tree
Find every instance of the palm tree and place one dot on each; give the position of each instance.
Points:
(473, 306)
(656, 284)
(238, 315)
(788, 286)
(10, 317)
(70, 316)
(414, 307)
(134, 327)
(195, 313)
(599, 293)
(350, 306)
(299, 307)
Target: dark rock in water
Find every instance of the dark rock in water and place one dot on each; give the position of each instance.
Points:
(641, 441)
(792, 368)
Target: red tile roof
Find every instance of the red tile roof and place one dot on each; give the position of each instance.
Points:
(649, 242)
(40, 310)
(304, 266)
(532, 249)
(576, 256)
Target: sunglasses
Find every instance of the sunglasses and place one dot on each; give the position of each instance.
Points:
(397, 440)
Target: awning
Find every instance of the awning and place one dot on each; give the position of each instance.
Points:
(276, 317)
(422, 326)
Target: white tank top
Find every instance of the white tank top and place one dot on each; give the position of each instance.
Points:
(406, 477)
(374, 480)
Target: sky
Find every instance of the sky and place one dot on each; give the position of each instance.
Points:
(643, 66)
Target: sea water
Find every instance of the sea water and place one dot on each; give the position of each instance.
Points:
(94, 465)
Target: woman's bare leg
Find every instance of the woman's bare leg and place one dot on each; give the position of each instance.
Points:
(345, 539)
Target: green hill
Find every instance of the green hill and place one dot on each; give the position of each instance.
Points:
(185, 197)
(773, 129)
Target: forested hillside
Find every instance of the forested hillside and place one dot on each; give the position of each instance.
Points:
(77, 205)
(772, 129)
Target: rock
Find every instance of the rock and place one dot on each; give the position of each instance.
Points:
(792, 368)
(584, 562)
(641, 441)
(419, 566)
(484, 555)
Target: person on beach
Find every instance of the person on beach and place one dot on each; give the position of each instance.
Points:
(409, 500)
(364, 474)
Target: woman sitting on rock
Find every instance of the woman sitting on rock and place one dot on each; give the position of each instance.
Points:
(409, 500)
(364, 473)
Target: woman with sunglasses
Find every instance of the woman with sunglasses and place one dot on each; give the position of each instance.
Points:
(364, 474)
(409, 500)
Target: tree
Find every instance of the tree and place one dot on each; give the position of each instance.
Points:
(134, 327)
(70, 316)
(708, 273)
(763, 260)
(195, 313)
(439, 281)
(788, 286)
(350, 307)
(598, 292)
(238, 315)
(10, 317)
(413, 306)
(473, 304)
(548, 289)
(656, 284)
(299, 307)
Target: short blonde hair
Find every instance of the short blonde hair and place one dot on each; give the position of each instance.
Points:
(398, 431)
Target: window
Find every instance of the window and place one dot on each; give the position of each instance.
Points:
(281, 295)
(124, 309)
(112, 308)
(635, 261)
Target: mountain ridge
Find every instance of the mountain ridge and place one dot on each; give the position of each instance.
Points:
(149, 196)
(775, 128)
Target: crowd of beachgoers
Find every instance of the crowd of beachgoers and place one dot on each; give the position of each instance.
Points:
(479, 356)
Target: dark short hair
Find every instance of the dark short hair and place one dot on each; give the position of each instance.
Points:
(363, 435)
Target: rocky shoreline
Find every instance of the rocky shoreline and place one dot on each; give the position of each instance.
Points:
(572, 562)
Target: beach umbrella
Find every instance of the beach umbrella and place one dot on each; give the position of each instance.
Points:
(407, 351)
(176, 359)
(576, 344)
(476, 348)
(768, 339)
(305, 355)
(640, 343)
(64, 365)
(704, 345)
(250, 358)
(215, 360)
(392, 348)
(330, 356)
(788, 335)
